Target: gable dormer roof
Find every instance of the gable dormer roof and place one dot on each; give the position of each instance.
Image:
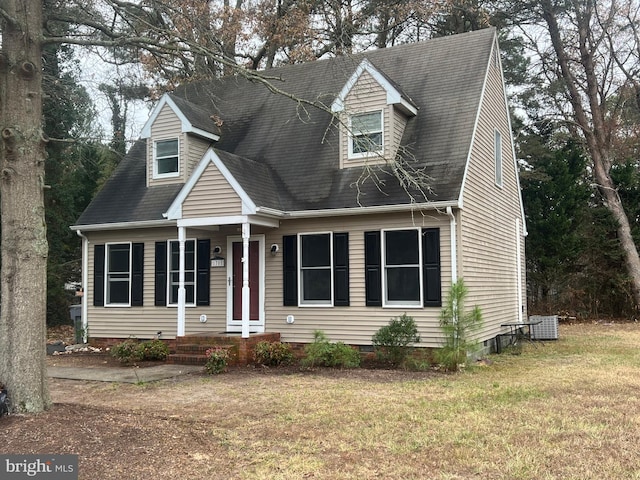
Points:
(267, 138)
(395, 95)
(194, 119)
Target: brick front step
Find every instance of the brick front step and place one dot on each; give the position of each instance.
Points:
(191, 349)
(197, 348)
(186, 359)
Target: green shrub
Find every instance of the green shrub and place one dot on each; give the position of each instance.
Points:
(458, 328)
(273, 354)
(131, 350)
(126, 351)
(153, 350)
(392, 342)
(326, 354)
(217, 359)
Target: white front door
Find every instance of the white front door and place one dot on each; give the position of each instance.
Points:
(256, 284)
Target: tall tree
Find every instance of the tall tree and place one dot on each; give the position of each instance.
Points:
(24, 236)
(588, 55)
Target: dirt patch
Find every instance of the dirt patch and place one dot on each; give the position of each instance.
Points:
(93, 360)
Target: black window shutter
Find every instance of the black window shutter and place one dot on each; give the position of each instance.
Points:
(341, 269)
(137, 274)
(98, 276)
(373, 269)
(431, 267)
(160, 296)
(203, 273)
(290, 270)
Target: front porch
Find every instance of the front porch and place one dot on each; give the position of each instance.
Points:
(191, 349)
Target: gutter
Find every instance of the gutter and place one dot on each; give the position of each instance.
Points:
(336, 212)
(85, 281)
(124, 225)
(453, 228)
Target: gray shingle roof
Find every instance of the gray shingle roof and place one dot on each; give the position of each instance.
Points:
(285, 154)
(125, 196)
(198, 116)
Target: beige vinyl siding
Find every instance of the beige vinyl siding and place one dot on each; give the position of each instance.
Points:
(122, 322)
(367, 95)
(354, 324)
(398, 124)
(357, 323)
(212, 196)
(146, 321)
(488, 243)
(196, 148)
(166, 126)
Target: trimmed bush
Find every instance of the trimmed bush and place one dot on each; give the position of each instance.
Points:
(126, 351)
(392, 343)
(217, 359)
(153, 350)
(131, 350)
(273, 354)
(326, 354)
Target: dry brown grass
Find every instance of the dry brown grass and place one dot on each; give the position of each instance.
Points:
(568, 409)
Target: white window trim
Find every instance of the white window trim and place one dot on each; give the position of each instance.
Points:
(497, 157)
(377, 153)
(396, 304)
(106, 274)
(156, 175)
(314, 303)
(195, 272)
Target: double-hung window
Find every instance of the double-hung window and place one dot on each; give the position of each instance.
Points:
(118, 274)
(316, 285)
(366, 134)
(189, 271)
(402, 267)
(166, 158)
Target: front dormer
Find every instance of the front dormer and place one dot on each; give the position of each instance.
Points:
(373, 113)
(178, 134)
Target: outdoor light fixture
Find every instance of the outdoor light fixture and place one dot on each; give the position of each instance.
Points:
(274, 249)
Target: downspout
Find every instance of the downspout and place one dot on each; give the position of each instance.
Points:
(85, 278)
(519, 270)
(453, 227)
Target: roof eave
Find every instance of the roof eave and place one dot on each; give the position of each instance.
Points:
(123, 225)
(347, 211)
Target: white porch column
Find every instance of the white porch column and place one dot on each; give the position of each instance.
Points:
(181, 290)
(246, 292)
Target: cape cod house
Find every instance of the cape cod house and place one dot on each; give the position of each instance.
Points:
(244, 210)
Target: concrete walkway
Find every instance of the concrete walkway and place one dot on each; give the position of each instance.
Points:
(123, 375)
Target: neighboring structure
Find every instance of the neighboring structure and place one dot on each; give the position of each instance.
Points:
(229, 170)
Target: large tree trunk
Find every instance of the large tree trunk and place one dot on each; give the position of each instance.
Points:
(24, 241)
(585, 76)
(613, 203)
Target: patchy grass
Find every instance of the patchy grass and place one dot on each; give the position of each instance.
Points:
(568, 409)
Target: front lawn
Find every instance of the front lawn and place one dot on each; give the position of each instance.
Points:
(568, 409)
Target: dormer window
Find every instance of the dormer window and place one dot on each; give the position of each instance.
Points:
(366, 136)
(165, 162)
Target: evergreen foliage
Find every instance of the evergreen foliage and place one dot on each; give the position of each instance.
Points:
(322, 353)
(392, 343)
(459, 328)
